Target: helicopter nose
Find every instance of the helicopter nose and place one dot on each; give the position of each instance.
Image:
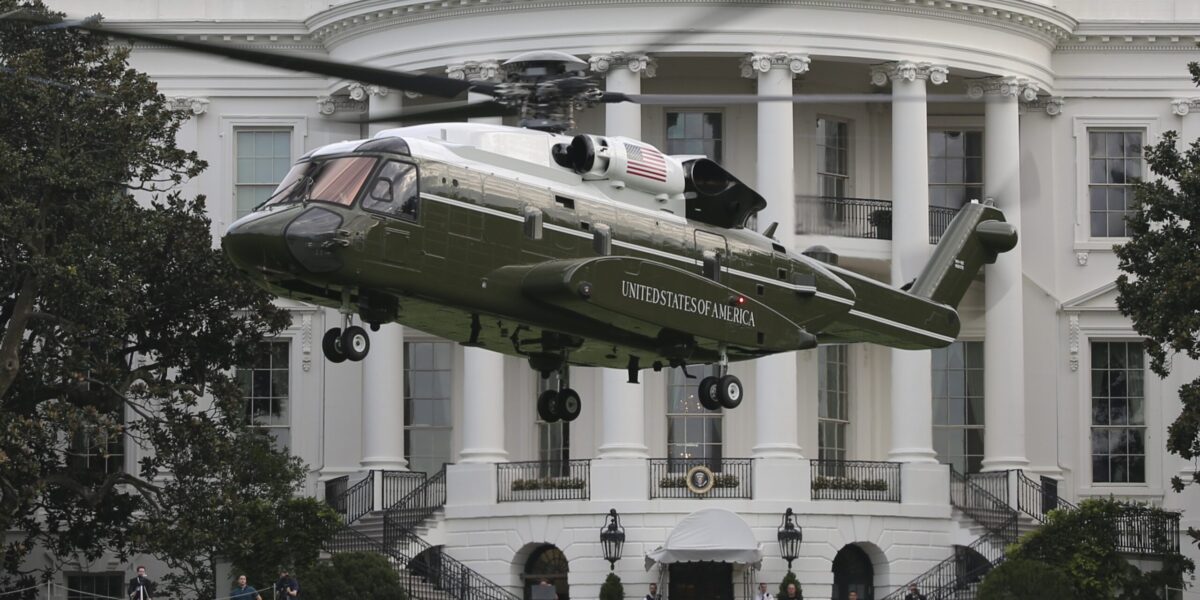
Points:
(255, 243)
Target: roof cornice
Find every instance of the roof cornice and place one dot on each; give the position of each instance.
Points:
(1133, 36)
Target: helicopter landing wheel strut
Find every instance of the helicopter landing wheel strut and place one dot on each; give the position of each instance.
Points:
(721, 390)
(349, 343)
(562, 404)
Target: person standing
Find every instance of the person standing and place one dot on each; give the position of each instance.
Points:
(140, 586)
(287, 587)
(653, 595)
(243, 591)
(914, 593)
(763, 594)
(792, 592)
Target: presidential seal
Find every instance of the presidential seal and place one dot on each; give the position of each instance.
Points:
(700, 479)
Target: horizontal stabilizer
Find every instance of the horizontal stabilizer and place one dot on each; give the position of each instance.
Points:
(976, 236)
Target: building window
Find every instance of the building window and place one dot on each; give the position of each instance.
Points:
(554, 439)
(833, 411)
(955, 168)
(833, 157)
(427, 384)
(1118, 413)
(263, 159)
(265, 385)
(694, 132)
(693, 432)
(1114, 167)
(98, 454)
(89, 586)
(958, 405)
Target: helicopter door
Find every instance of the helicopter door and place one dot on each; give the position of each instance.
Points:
(712, 252)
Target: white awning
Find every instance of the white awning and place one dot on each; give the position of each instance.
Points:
(709, 535)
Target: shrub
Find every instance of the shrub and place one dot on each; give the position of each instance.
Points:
(1026, 580)
(359, 575)
(612, 588)
(790, 578)
(847, 483)
(549, 483)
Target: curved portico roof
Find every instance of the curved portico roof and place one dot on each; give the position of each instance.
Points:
(709, 535)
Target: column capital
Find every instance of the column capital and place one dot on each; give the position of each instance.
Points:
(195, 105)
(907, 70)
(642, 64)
(1051, 104)
(1008, 87)
(1183, 106)
(475, 70)
(360, 91)
(757, 63)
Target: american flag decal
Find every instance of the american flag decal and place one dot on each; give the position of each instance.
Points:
(644, 161)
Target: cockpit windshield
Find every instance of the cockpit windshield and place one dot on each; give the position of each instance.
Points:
(335, 180)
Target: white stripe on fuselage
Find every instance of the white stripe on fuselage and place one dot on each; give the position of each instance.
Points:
(692, 261)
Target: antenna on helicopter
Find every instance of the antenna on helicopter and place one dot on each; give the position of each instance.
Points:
(770, 230)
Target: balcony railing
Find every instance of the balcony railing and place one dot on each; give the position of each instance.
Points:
(855, 480)
(1146, 531)
(357, 500)
(398, 484)
(543, 480)
(865, 218)
(731, 478)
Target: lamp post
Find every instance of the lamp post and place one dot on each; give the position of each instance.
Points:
(789, 536)
(612, 538)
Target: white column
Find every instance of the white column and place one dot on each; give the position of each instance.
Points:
(1004, 341)
(383, 401)
(623, 424)
(380, 101)
(623, 73)
(477, 70)
(775, 392)
(1188, 111)
(483, 407)
(912, 388)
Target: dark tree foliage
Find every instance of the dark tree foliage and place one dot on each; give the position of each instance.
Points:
(1026, 580)
(1084, 545)
(360, 575)
(113, 308)
(612, 588)
(1159, 287)
(790, 578)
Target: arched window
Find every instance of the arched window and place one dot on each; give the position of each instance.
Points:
(547, 563)
(852, 572)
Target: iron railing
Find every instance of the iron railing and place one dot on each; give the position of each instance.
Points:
(398, 484)
(855, 480)
(1147, 531)
(847, 217)
(422, 568)
(357, 500)
(1038, 499)
(955, 577)
(412, 510)
(994, 514)
(731, 477)
(543, 480)
(994, 483)
(866, 218)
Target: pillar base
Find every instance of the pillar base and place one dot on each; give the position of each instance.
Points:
(777, 451)
(383, 463)
(470, 484)
(787, 479)
(620, 479)
(913, 455)
(622, 451)
(483, 456)
(924, 483)
(1004, 463)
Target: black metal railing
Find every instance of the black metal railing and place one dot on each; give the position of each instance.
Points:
(855, 480)
(847, 217)
(357, 500)
(994, 483)
(1037, 499)
(731, 477)
(398, 484)
(994, 514)
(543, 480)
(939, 220)
(956, 577)
(1147, 531)
(412, 510)
(425, 570)
(335, 489)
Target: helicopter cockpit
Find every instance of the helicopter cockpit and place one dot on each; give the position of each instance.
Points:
(393, 189)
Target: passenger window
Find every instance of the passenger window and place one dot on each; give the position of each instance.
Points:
(394, 191)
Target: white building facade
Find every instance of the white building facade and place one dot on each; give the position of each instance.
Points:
(1041, 106)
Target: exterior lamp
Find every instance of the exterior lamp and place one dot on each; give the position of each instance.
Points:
(789, 536)
(612, 537)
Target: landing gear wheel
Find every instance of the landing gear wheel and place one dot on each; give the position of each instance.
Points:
(547, 406)
(729, 391)
(707, 391)
(569, 405)
(356, 343)
(331, 345)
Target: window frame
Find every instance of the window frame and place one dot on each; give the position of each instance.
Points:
(963, 427)
(818, 155)
(721, 139)
(963, 128)
(375, 174)
(453, 367)
(82, 594)
(546, 429)
(289, 405)
(844, 423)
(717, 415)
(1150, 486)
(225, 212)
(1081, 127)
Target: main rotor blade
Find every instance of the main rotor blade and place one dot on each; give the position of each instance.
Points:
(397, 80)
(449, 111)
(718, 99)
